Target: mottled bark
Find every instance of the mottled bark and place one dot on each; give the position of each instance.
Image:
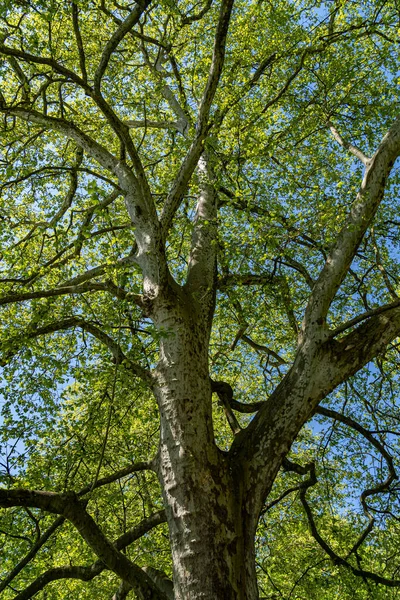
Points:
(202, 492)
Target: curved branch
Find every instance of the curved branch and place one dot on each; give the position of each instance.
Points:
(333, 414)
(225, 395)
(42, 60)
(188, 19)
(72, 290)
(32, 553)
(69, 130)
(337, 560)
(133, 468)
(69, 323)
(116, 38)
(87, 573)
(264, 349)
(364, 316)
(380, 487)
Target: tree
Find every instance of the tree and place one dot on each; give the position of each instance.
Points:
(199, 247)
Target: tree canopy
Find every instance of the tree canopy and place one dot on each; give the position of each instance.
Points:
(240, 154)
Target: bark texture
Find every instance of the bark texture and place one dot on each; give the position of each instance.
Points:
(212, 498)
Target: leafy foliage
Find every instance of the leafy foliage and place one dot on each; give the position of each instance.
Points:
(76, 336)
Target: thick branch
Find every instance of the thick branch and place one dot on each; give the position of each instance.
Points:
(161, 581)
(360, 217)
(315, 373)
(138, 200)
(189, 164)
(202, 267)
(139, 530)
(109, 554)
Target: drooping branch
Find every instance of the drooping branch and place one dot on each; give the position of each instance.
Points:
(338, 560)
(311, 481)
(379, 487)
(56, 574)
(349, 422)
(25, 86)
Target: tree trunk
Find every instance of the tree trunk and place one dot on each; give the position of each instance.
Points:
(212, 556)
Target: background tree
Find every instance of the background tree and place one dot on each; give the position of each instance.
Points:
(199, 244)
